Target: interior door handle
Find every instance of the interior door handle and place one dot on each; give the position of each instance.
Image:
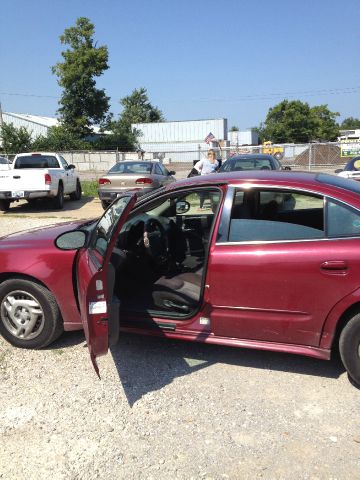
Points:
(334, 265)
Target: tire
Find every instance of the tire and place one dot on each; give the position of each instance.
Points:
(4, 205)
(26, 303)
(58, 201)
(349, 347)
(77, 194)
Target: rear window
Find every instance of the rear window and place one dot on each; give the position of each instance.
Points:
(247, 164)
(131, 167)
(340, 182)
(37, 161)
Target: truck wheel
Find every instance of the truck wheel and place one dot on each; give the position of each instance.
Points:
(77, 194)
(29, 314)
(4, 205)
(349, 346)
(59, 199)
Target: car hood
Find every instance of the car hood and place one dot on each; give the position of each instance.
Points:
(38, 237)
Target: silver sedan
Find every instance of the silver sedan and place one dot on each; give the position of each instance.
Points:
(135, 175)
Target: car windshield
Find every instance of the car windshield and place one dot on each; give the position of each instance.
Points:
(4, 161)
(37, 161)
(131, 167)
(340, 182)
(107, 223)
(237, 164)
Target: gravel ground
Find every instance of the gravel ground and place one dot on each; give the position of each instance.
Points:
(166, 409)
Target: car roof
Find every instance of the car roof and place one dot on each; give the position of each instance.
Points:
(321, 182)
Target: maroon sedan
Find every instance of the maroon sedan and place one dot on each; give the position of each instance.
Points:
(271, 261)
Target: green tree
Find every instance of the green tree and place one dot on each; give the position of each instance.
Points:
(15, 140)
(296, 122)
(82, 104)
(137, 109)
(350, 123)
(234, 128)
(60, 139)
(326, 128)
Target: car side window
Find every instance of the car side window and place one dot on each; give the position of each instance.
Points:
(158, 170)
(63, 162)
(342, 220)
(275, 215)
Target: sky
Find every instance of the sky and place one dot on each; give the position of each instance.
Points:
(198, 59)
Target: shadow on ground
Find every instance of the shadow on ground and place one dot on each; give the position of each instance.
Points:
(146, 364)
(40, 206)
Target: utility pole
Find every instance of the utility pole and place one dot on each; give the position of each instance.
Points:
(1, 117)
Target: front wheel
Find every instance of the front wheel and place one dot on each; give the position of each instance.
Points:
(349, 346)
(59, 199)
(4, 205)
(77, 194)
(29, 314)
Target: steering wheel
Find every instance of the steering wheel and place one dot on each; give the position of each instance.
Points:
(155, 240)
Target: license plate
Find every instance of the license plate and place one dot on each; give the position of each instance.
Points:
(18, 194)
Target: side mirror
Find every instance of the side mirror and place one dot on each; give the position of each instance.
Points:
(182, 207)
(71, 240)
(71, 167)
(172, 172)
(339, 170)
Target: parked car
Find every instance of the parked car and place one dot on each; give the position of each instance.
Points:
(136, 175)
(251, 161)
(244, 272)
(351, 169)
(44, 175)
(4, 163)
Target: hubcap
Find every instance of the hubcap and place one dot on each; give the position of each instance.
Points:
(22, 315)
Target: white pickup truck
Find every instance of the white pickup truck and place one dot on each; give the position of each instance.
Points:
(39, 175)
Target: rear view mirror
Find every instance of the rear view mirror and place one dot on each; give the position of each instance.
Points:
(71, 240)
(172, 172)
(182, 207)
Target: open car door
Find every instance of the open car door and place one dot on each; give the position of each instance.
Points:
(95, 278)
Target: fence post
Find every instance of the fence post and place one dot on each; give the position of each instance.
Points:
(199, 152)
(310, 156)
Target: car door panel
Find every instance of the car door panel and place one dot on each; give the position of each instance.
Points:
(98, 306)
(278, 292)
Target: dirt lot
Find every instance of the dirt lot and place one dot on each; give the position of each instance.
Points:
(166, 409)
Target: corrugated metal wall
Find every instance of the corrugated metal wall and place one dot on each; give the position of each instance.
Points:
(35, 128)
(182, 131)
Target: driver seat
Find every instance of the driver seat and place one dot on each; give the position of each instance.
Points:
(178, 294)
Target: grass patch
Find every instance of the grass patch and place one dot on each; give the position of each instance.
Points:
(89, 188)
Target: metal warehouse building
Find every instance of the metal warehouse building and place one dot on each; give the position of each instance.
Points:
(180, 141)
(35, 124)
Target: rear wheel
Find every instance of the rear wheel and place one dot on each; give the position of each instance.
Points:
(77, 194)
(349, 346)
(59, 199)
(29, 315)
(4, 205)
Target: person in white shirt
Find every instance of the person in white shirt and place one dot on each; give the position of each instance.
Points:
(204, 167)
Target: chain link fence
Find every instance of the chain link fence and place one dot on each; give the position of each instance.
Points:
(181, 156)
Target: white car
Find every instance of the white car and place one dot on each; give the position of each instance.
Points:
(351, 169)
(4, 163)
(39, 175)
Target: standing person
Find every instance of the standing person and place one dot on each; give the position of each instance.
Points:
(204, 167)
